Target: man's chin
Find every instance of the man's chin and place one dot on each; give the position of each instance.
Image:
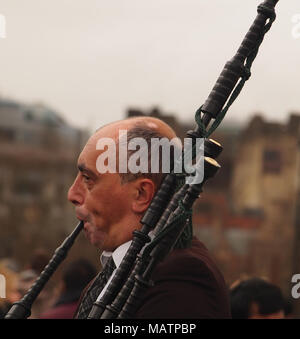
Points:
(88, 236)
(94, 242)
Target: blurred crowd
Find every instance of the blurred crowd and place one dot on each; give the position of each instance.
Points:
(58, 299)
(250, 298)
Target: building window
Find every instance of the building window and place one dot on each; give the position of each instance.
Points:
(272, 161)
(28, 116)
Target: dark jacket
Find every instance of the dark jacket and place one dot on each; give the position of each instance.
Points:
(187, 285)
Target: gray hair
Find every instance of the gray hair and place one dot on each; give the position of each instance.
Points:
(142, 130)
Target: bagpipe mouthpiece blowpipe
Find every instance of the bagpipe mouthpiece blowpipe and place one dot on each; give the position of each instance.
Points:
(22, 309)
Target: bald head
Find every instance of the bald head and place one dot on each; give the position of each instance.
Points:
(146, 128)
(150, 123)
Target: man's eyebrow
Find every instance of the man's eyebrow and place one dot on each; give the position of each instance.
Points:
(83, 168)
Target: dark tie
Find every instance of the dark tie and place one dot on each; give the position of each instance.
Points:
(95, 289)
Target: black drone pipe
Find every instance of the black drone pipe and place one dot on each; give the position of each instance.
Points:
(234, 68)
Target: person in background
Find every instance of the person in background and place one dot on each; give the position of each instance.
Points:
(75, 277)
(38, 260)
(9, 292)
(256, 298)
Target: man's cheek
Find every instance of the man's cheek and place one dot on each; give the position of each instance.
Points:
(92, 204)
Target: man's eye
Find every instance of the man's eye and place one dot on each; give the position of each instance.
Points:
(86, 178)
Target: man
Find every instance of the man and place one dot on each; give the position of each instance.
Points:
(256, 298)
(187, 284)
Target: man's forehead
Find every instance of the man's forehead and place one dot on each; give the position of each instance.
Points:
(109, 131)
(88, 149)
(112, 131)
(127, 124)
(89, 154)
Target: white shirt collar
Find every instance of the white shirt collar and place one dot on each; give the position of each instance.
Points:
(118, 254)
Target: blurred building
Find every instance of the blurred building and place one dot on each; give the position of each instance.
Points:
(265, 184)
(38, 154)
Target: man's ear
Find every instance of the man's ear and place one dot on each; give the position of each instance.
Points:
(143, 194)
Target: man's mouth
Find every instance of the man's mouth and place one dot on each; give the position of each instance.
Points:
(84, 220)
(81, 217)
(85, 224)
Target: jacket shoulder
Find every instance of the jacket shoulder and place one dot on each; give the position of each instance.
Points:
(186, 284)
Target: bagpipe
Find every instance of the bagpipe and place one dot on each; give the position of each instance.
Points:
(167, 221)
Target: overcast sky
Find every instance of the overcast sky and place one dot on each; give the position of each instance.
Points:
(92, 59)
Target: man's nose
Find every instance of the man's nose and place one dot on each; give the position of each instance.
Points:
(76, 192)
